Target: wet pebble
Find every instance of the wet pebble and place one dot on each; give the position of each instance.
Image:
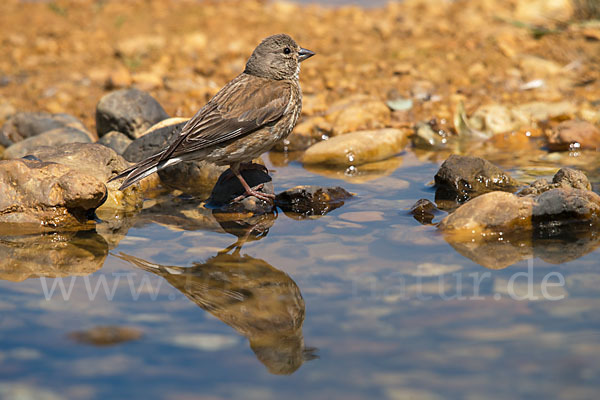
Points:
(424, 211)
(129, 111)
(357, 148)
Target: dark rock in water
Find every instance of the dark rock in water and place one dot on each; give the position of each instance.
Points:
(129, 111)
(99, 162)
(228, 187)
(465, 177)
(311, 200)
(115, 140)
(53, 255)
(54, 137)
(192, 177)
(47, 195)
(24, 125)
(424, 211)
(106, 335)
(564, 178)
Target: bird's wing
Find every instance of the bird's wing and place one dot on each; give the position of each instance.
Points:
(244, 105)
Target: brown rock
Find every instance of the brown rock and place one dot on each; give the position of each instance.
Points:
(47, 195)
(490, 213)
(464, 177)
(357, 148)
(100, 162)
(574, 135)
(564, 178)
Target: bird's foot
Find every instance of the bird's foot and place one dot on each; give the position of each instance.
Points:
(269, 198)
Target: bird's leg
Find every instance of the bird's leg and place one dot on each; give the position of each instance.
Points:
(251, 191)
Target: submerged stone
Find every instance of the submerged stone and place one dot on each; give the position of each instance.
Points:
(424, 211)
(106, 335)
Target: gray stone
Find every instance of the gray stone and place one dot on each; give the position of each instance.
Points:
(115, 140)
(54, 137)
(24, 125)
(129, 111)
(564, 178)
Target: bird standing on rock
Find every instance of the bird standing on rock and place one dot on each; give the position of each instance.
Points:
(243, 120)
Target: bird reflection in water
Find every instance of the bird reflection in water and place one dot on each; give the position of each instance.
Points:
(259, 301)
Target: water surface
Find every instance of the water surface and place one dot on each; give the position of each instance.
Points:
(363, 302)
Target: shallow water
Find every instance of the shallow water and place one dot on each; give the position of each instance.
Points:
(363, 302)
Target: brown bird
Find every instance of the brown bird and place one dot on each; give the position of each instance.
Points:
(244, 119)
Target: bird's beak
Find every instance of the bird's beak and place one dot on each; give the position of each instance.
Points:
(305, 54)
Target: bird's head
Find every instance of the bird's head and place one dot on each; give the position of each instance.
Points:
(277, 57)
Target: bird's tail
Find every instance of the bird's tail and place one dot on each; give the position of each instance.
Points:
(148, 265)
(141, 170)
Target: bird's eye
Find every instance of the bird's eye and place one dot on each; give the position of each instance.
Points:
(287, 50)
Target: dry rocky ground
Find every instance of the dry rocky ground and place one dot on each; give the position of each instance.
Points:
(490, 78)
